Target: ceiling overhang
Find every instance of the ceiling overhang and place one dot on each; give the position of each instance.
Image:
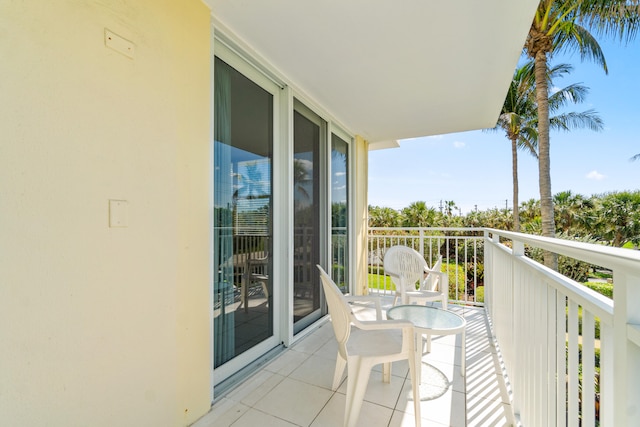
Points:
(390, 70)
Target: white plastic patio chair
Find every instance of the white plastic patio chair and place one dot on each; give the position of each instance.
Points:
(407, 267)
(364, 344)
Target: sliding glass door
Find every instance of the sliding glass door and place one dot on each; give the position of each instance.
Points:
(243, 220)
(309, 218)
(265, 289)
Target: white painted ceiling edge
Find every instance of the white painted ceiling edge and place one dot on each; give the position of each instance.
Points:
(380, 145)
(390, 70)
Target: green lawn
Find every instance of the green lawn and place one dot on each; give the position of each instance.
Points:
(382, 282)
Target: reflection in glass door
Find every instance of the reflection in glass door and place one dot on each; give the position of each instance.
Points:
(243, 206)
(339, 212)
(309, 135)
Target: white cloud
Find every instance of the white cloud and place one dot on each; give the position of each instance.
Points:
(595, 175)
(458, 144)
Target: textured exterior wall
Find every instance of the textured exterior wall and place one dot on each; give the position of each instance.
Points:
(104, 326)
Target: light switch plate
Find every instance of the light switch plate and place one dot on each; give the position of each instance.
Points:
(118, 213)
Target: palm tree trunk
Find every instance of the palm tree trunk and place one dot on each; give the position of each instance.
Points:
(514, 158)
(544, 161)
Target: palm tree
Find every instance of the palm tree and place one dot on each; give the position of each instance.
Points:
(517, 120)
(572, 213)
(620, 217)
(383, 217)
(418, 214)
(557, 27)
(302, 179)
(519, 117)
(449, 207)
(530, 210)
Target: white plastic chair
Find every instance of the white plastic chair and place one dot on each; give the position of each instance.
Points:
(406, 268)
(364, 344)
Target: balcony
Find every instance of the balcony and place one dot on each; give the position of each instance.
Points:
(541, 348)
(295, 388)
(570, 354)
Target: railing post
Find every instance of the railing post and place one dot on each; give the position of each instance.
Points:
(421, 242)
(517, 324)
(626, 372)
(488, 275)
(607, 390)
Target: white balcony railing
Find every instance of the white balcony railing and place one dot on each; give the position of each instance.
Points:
(571, 355)
(545, 325)
(461, 250)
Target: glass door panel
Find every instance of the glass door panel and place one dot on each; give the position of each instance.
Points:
(309, 134)
(339, 212)
(243, 206)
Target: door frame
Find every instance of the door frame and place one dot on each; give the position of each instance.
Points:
(234, 365)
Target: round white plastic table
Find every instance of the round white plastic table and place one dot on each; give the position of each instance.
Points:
(431, 321)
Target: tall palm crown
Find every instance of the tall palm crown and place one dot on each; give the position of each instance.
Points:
(519, 117)
(561, 25)
(418, 214)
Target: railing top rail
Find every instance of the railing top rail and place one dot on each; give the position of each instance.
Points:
(592, 253)
(600, 305)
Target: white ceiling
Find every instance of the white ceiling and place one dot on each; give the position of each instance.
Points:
(390, 69)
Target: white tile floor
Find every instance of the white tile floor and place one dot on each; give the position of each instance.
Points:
(295, 388)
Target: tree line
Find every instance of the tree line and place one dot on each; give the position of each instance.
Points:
(611, 218)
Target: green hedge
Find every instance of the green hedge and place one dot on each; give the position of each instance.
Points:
(374, 269)
(596, 321)
(456, 270)
(605, 289)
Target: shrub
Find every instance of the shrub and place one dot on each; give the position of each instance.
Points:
(605, 289)
(475, 270)
(573, 268)
(570, 267)
(596, 321)
(375, 269)
(456, 271)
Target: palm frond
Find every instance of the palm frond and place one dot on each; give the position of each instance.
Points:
(619, 18)
(575, 93)
(528, 141)
(588, 119)
(559, 70)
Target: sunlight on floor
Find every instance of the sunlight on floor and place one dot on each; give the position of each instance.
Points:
(295, 388)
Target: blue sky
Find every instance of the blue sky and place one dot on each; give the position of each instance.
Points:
(474, 168)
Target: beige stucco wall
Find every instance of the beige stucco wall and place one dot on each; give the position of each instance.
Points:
(104, 326)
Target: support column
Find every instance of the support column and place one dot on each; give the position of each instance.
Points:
(626, 376)
(361, 180)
